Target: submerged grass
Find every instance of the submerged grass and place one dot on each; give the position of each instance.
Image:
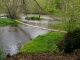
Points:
(35, 18)
(43, 43)
(7, 21)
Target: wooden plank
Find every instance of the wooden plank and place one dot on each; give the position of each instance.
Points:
(41, 27)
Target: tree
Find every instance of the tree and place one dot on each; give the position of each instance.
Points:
(24, 6)
(1, 6)
(71, 12)
(12, 8)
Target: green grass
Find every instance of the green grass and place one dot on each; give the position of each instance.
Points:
(43, 43)
(34, 18)
(7, 21)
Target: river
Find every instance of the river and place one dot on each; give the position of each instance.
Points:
(12, 38)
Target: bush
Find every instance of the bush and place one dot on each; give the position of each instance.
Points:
(72, 41)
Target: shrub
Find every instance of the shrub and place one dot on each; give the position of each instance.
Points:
(72, 41)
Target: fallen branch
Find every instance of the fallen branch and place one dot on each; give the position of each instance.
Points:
(41, 27)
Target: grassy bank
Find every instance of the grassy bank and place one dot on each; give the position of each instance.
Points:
(43, 48)
(43, 43)
(7, 21)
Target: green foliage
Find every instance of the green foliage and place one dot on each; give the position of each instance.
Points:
(71, 12)
(7, 21)
(59, 26)
(52, 7)
(2, 56)
(43, 43)
(66, 26)
(57, 4)
(72, 41)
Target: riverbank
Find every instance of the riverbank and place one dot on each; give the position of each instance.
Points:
(7, 21)
(44, 56)
(44, 47)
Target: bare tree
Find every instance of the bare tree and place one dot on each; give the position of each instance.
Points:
(12, 8)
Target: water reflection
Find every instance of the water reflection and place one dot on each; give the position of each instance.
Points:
(13, 37)
(33, 32)
(10, 38)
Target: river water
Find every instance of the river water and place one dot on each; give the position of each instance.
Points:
(13, 37)
(42, 23)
